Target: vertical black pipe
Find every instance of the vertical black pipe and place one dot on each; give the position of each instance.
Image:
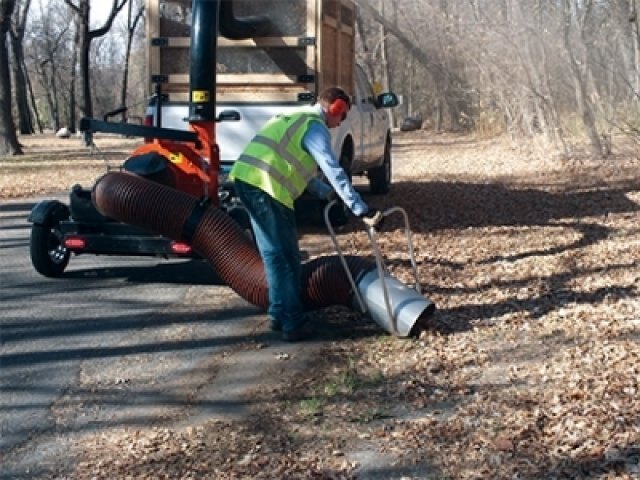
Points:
(202, 75)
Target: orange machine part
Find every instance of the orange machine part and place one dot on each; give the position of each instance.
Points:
(206, 131)
(193, 175)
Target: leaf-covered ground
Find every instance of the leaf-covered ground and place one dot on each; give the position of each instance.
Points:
(51, 164)
(534, 263)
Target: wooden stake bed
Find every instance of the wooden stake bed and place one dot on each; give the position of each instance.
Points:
(311, 47)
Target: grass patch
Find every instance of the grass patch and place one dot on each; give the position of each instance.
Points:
(311, 407)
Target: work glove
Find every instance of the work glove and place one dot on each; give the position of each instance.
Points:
(373, 218)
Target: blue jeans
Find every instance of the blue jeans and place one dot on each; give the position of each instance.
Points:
(274, 227)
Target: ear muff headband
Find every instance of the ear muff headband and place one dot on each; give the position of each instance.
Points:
(338, 107)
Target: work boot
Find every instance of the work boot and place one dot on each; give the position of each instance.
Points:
(275, 325)
(302, 332)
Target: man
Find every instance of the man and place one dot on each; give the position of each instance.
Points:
(274, 169)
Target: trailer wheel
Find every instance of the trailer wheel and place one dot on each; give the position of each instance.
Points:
(380, 177)
(48, 255)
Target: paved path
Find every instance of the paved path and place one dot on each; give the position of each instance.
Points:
(117, 341)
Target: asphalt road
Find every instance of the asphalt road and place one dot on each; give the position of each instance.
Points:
(115, 341)
(127, 343)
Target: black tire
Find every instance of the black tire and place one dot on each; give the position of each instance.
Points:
(339, 213)
(48, 256)
(241, 217)
(380, 177)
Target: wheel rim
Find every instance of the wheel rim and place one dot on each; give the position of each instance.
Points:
(57, 252)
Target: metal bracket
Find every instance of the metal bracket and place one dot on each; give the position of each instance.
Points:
(306, 78)
(158, 78)
(305, 97)
(306, 41)
(93, 125)
(159, 42)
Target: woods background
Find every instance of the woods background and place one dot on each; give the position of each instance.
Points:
(566, 72)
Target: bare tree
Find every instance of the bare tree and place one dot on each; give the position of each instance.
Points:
(549, 69)
(47, 54)
(81, 9)
(635, 39)
(363, 36)
(556, 70)
(579, 68)
(8, 139)
(16, 34)
(133, 19)
(73, 77)
(449, 109)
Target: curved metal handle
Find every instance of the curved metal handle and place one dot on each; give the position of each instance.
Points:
(410, 250)
(380, 265)
(332, 233)
(382, 269)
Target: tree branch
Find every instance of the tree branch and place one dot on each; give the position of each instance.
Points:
(115, 9)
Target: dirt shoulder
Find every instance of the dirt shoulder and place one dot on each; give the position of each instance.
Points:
(532, 260)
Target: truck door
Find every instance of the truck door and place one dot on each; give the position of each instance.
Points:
(370, 123)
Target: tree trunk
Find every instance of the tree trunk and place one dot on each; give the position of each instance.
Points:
(364, 41)
(9, 144)
(25, 123)
(84, 48)
(383, 60)
(132, 25)
(635, 33)
(81, 11)
(72, 84)
(580, 83)
(420, 55)
(34, 105)
(50, 88)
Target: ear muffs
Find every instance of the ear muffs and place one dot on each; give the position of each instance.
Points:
(338, 107)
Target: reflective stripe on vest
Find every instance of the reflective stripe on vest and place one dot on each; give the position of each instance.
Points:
(275, 161)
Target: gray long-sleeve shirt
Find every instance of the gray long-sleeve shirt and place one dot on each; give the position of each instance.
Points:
(317, 141)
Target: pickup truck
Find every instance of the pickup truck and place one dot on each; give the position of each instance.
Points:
(362, 142)
(304, 47)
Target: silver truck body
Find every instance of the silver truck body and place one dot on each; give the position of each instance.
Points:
(359, 142)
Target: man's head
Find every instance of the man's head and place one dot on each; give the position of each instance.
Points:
(336, 104)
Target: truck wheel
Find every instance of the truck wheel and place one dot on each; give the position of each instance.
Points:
(48, 255)
(241, 217)
(380, 177)
(339, 213)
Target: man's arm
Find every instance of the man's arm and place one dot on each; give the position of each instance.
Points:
(319, 188)
(318, 143)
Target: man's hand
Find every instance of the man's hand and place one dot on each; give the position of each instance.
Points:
(373, 218)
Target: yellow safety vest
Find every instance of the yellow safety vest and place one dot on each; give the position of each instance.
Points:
(275, 161)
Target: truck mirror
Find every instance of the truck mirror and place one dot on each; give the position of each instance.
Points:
(387, 100)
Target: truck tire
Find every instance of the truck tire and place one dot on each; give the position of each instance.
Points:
(48, 255)
(241, 217)
(380, 177)
(339, 213)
